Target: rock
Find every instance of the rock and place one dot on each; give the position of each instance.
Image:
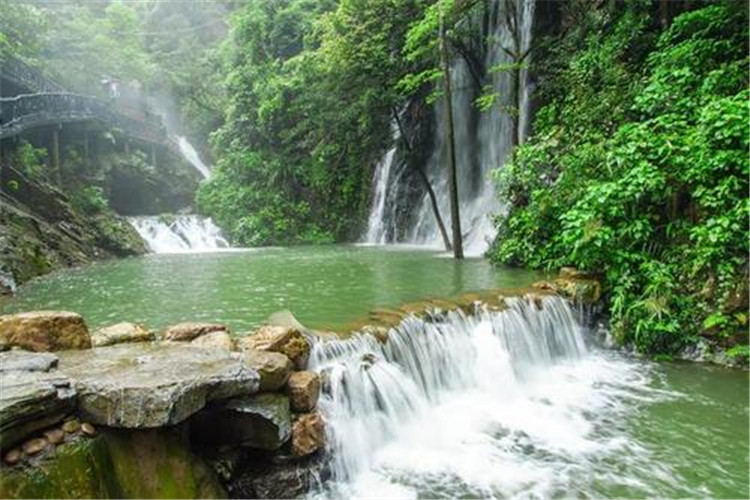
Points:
(273, 367)
(308, 434)
(45, 331)
(34, 446)
(288, 341)
(13, 456)
(71, 426)
(143, 385)
(262, 421)
(55, 436)
(571, 273)
(219, 339)
(584, 291)
(31, 401)
(88, 429)
(544, 285)
(120, 333)
(303, 389)
(18, 360)
(189, 331)
(283, 479)
(379, 332)
(126, 464)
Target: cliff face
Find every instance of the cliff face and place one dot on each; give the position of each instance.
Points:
(41, 230)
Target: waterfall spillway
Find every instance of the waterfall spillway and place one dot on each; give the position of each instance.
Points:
(483, 142)
(490, 405)
(179, 233)
(191, 155)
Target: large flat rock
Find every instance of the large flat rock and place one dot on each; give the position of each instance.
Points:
(32, 395)
(153, 385)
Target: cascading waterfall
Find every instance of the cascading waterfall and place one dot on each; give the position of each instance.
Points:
(179, 233)
(483, 142)
(492, 404)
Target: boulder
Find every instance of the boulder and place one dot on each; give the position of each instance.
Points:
(156, 463)
(262, 422)
(27, 361)
(45, 331)
(273, 367)
(121, 333)
(285, 477)
(303, 389)
(30, 401)
(583, 291)
(219, 339)
(145, 385)
(308, 434)
(575, 274)
(189, 330)
(286, 340)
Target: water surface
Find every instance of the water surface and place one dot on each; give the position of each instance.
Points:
(324, 286)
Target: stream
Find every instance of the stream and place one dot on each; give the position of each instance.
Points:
(516, 404)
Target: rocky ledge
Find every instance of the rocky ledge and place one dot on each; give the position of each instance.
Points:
(225, 416)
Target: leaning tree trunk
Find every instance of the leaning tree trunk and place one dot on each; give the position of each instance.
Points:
(427, 186)
(458, 249)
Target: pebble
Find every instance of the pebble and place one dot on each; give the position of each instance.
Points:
(55, 436)
(88, 429)
(71, 426)
(13, 456)
(34, 446)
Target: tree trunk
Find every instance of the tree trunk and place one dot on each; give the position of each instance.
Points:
(458, 248)
(427, 186)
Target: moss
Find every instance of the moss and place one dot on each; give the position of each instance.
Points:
(82, 469)
(116, 464)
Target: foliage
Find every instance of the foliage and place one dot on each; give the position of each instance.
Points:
(29, 160)
(638, 169)
(89, 200)
(310, 90)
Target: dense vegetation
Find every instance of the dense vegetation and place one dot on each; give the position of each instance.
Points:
(311, 90)
(638, 169)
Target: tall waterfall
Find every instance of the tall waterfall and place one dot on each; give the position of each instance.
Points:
(179, 233)
(483, 142)
(499, 404)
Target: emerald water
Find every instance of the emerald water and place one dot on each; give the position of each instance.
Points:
(470, 415)
(324, 287)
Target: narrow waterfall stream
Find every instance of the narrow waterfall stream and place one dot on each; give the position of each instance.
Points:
(179, 233)
(508, 404)
(484, 140)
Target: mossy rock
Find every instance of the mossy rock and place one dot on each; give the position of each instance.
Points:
(116, 464)
(81, 469)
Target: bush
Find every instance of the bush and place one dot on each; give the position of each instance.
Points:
(638, 168)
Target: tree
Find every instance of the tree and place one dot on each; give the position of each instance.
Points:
(458, 251)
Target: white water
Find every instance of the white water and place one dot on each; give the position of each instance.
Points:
(376, 226)
(179, 233)
(480, 147)
(191, 155)
(509, 405)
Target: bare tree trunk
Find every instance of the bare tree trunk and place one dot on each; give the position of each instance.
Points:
(427, 186)
(458, 248)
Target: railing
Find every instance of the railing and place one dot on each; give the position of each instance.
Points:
(33, 110)
(28, 77)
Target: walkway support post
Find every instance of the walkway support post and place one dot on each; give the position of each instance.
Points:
(55, 155)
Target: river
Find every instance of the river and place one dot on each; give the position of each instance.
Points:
(518, 404)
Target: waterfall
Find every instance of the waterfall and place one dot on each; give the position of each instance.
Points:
(191, 155)
(179, 233)
(483, 142)
(488, 405)
(376, 225)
